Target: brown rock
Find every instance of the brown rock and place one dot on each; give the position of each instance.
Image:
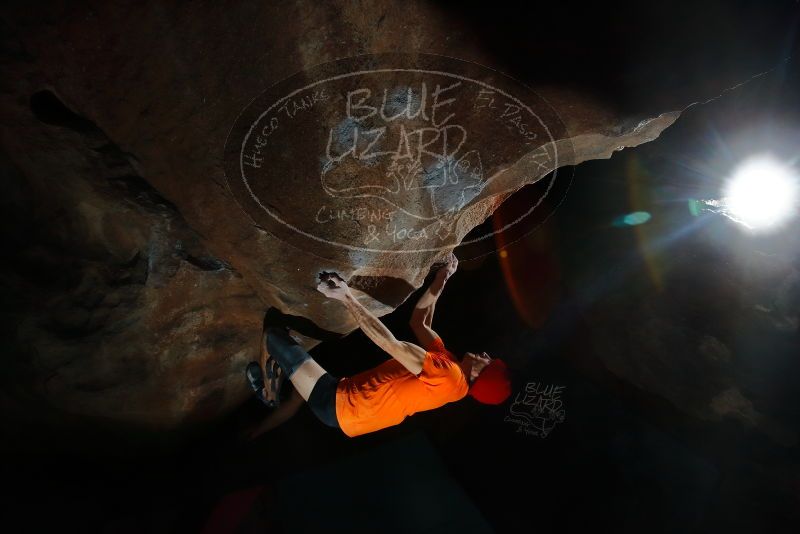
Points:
(138, 278)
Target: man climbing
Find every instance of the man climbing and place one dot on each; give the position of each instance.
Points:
(417, 378)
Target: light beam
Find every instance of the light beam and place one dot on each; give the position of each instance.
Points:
(761, 194)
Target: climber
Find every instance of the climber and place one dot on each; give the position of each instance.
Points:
(417, 378)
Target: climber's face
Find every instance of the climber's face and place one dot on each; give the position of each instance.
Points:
(473, 363)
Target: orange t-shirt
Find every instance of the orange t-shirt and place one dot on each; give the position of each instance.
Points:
(384, 396)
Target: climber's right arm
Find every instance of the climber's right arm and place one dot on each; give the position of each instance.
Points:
(422, 316)
(409, 355)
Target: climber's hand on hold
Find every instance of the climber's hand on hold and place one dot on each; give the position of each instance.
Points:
(332, 286)
(450, 266)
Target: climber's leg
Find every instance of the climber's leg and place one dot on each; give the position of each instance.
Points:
(281, 347)
(271, 376)
(310, 380)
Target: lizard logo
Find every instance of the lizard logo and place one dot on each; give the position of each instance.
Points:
(389, 153)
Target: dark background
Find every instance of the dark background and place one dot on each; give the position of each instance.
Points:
(625, 459)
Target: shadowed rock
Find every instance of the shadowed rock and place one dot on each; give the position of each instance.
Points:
(137, 282)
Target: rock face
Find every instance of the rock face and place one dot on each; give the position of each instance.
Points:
(137, 276)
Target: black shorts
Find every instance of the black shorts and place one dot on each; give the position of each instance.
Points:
(322, 400)
(290, 356)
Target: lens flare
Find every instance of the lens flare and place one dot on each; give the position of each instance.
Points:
(636, 218)
(761, 194)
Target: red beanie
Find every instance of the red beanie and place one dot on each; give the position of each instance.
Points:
(493, 385)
